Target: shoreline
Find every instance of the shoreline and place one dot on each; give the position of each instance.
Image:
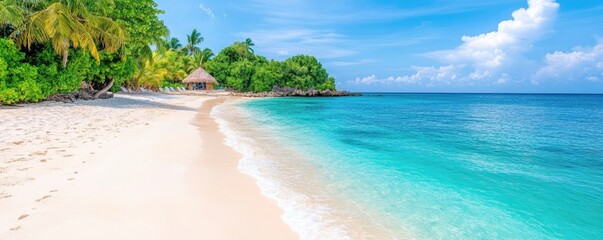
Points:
(255, 216)
(143, 167)
(288, 174)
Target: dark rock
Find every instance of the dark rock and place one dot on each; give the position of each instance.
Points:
(106, 95)
(85, 94)
(82, 94)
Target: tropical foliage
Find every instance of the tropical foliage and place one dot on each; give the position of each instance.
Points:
(193, 41)
(171, 62)
(17, 78)
(52, 46)
(237, 67)
(69, 24)
(60, 43)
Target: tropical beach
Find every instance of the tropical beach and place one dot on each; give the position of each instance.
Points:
(166, 166)
(60, 182)
(304, 119)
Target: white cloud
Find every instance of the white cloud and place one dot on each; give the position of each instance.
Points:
(487, 57)
(207, 10)
(492, 50)
(283, 53)
(366, 80)
(424, 76)
(584, 63)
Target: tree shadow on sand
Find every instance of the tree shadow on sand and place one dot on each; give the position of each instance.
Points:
(133, 101)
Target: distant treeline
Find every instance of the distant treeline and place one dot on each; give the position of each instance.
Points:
(237, 67)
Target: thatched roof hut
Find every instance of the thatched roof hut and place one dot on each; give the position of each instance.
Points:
(200, 80)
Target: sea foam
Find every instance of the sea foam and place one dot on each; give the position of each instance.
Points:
(307, 220)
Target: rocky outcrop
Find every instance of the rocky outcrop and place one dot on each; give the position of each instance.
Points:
(84, 93)
(291, 92)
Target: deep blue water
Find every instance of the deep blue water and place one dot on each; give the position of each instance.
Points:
(453, 166)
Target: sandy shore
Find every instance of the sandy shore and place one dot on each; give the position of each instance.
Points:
(132, 167)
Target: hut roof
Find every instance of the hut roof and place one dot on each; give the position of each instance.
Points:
(198, 76)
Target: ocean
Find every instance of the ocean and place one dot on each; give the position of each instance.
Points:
(426, 166)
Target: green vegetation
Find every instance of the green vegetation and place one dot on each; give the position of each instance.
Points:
(52, 46)
(238, 67)
(17, 78)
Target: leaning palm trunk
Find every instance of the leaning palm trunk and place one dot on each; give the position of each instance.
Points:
(65, 58)
(104, 90)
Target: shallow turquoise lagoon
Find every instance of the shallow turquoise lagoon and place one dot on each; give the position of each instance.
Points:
(428, 166)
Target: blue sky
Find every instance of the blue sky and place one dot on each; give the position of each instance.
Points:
(416, 46)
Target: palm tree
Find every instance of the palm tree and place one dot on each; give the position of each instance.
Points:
(11, 14)
(193, 40)
(207, 54)
(174, 44)
(71, 23)
(249, 44)
(201, 57)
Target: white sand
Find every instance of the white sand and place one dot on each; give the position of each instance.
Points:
(131, 167)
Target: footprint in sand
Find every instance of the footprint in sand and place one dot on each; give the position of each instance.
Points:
(18, 142)
(23, 216)
(15, 228)
(54, 190)
(43, 160)
(70, 179)
(17, 160)
(39, 153)
(68, 155)
(45, 197)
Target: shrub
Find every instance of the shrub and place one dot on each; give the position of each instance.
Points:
(55, 78)
(18, 80)
(168, 83)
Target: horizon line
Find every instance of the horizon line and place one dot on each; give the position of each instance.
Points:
(502, 93)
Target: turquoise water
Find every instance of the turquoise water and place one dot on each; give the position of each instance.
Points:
(428, 166)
